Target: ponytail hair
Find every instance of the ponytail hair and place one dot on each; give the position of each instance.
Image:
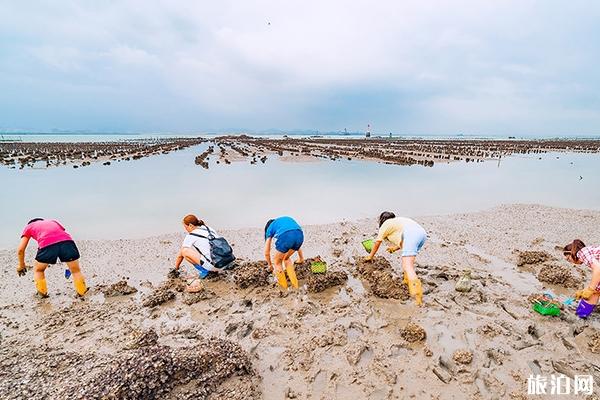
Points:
(192, 219)
(573, 248)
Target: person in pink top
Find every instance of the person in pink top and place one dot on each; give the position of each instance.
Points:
(578, 253)
(54, 243)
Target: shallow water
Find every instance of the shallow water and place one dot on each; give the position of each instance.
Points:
(149, 196)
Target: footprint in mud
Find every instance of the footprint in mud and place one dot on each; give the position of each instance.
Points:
(381, 279)
(120, 288)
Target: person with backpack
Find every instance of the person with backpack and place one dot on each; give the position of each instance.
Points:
(204, 248)
(54, 243)
(289, 238)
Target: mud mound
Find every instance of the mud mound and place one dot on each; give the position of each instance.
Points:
(382, 281)
(193, 298)
(251, 274)
(303, 270)
(594, 343)
(175, 284)
(316, 283)
(164, 372)
(158, 296)
(141, 338)
(120, 288)
(413, 333)
(462, 357)
(532, 257)
(557, 275)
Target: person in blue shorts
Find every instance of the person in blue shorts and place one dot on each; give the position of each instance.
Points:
(288, 237)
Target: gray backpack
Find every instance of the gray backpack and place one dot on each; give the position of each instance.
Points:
(221, 253)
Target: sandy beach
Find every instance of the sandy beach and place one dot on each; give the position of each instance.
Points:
(351, 333)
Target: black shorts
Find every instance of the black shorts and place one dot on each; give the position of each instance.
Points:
(65, 251)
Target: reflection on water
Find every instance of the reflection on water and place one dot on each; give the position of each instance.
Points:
(149, 196)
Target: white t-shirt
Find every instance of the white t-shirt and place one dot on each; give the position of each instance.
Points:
(201, 244)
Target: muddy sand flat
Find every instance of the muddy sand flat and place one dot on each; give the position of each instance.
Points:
(354, 334)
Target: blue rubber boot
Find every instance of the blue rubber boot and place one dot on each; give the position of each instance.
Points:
(584, 309)
(67, 273)
(202, 273)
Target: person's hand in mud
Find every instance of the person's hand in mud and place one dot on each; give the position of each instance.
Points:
(21, 270)
(585, 293)
(374, 250)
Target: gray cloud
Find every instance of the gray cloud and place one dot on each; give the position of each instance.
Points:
(520, 67)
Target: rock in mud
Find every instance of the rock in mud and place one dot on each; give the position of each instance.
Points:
(141, 338)
(557, 275)
(594, 343)
(159, 296)
(120, 288)
(462, 357)
(532, 257)
(413, 333)
(381, 279)
(252, 274)
(316, 283)
(159, 372)
(355, 351)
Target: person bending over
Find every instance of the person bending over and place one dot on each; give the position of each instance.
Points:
(578, 253)
(288, 240)
(54, 243)
(406, 235)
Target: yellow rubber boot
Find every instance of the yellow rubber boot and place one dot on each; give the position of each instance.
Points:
(42, 288)
(291, 273)
(80, 287)
(281, 279)
(415, 289)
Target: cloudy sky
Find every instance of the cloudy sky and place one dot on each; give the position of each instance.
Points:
(421, 67)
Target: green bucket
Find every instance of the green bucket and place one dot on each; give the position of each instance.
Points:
(368, 245)
(318, 267)
(546, 308)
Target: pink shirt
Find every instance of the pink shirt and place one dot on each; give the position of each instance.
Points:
(588, 255)
(46, 232)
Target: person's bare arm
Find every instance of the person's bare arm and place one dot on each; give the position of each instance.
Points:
(21, 254)
(268, 252)
(178, 260)
(374, 250)
(595, 275)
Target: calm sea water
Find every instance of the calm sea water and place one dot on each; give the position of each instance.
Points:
(149, 196)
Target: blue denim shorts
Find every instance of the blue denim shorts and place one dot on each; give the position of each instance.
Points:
(290, 240)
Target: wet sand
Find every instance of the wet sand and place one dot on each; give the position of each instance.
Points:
(351, 333)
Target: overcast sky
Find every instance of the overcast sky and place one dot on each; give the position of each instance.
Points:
(421, 67)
